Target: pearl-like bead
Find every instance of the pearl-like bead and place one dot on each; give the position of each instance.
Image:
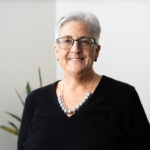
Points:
(70, 111)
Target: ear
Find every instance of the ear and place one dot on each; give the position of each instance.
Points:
(98, 48)
(56, 50)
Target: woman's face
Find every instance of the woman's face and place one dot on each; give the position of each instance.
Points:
(76, 60)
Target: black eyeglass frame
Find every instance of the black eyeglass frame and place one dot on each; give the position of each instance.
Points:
(78, 40)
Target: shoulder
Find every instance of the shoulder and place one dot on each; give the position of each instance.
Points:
(119, 92)
(121, 95)
(117, 86)
(41, 93)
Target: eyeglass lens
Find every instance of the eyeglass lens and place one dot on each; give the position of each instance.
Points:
(67, 42)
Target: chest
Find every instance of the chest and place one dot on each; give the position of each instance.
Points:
(94, 128)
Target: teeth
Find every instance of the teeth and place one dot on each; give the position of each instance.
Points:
(76, 59)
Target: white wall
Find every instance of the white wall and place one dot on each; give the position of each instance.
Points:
(26, 39)
(125, 48)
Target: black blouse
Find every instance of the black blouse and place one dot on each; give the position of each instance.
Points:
(112, 119)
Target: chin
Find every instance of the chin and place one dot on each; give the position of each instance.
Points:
(77, 72)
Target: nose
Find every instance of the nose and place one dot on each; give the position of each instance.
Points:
(75, 47)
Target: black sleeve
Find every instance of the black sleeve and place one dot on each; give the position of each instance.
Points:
(25, 123)
(137, 124)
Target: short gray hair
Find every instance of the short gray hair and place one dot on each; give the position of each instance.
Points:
(86, 17)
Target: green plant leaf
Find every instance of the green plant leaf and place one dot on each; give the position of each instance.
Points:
(10, 130)
(28, 88)
(14, 116)
(13, 128)
(19, 97)
(13, 125)
(40, 78)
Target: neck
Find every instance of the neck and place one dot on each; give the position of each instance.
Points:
(75, 82)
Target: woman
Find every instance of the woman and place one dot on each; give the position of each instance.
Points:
(85, 110)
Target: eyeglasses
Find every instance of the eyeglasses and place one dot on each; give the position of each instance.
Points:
(67, 42)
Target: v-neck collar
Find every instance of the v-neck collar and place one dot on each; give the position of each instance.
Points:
(89, 102)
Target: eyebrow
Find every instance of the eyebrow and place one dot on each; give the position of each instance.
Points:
(68, 36)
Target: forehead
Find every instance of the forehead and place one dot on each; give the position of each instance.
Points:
(75, 29)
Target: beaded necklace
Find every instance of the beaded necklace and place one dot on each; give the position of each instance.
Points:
(76, 108)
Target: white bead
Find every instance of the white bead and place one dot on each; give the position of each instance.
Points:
(74, 110)
(88, 94)
(65, 110)
(84, 100)
(69, 111)
(80, 103)
(77, 107)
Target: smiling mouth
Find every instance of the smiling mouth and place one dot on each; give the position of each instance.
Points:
(76, 59)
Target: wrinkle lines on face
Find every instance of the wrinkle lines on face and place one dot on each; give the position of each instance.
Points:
(76, 60)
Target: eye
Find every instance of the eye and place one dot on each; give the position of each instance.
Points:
(67, 41)
(85, 41)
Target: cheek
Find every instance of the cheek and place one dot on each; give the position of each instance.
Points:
(91, 56)
(62, 55)
(63, 58)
